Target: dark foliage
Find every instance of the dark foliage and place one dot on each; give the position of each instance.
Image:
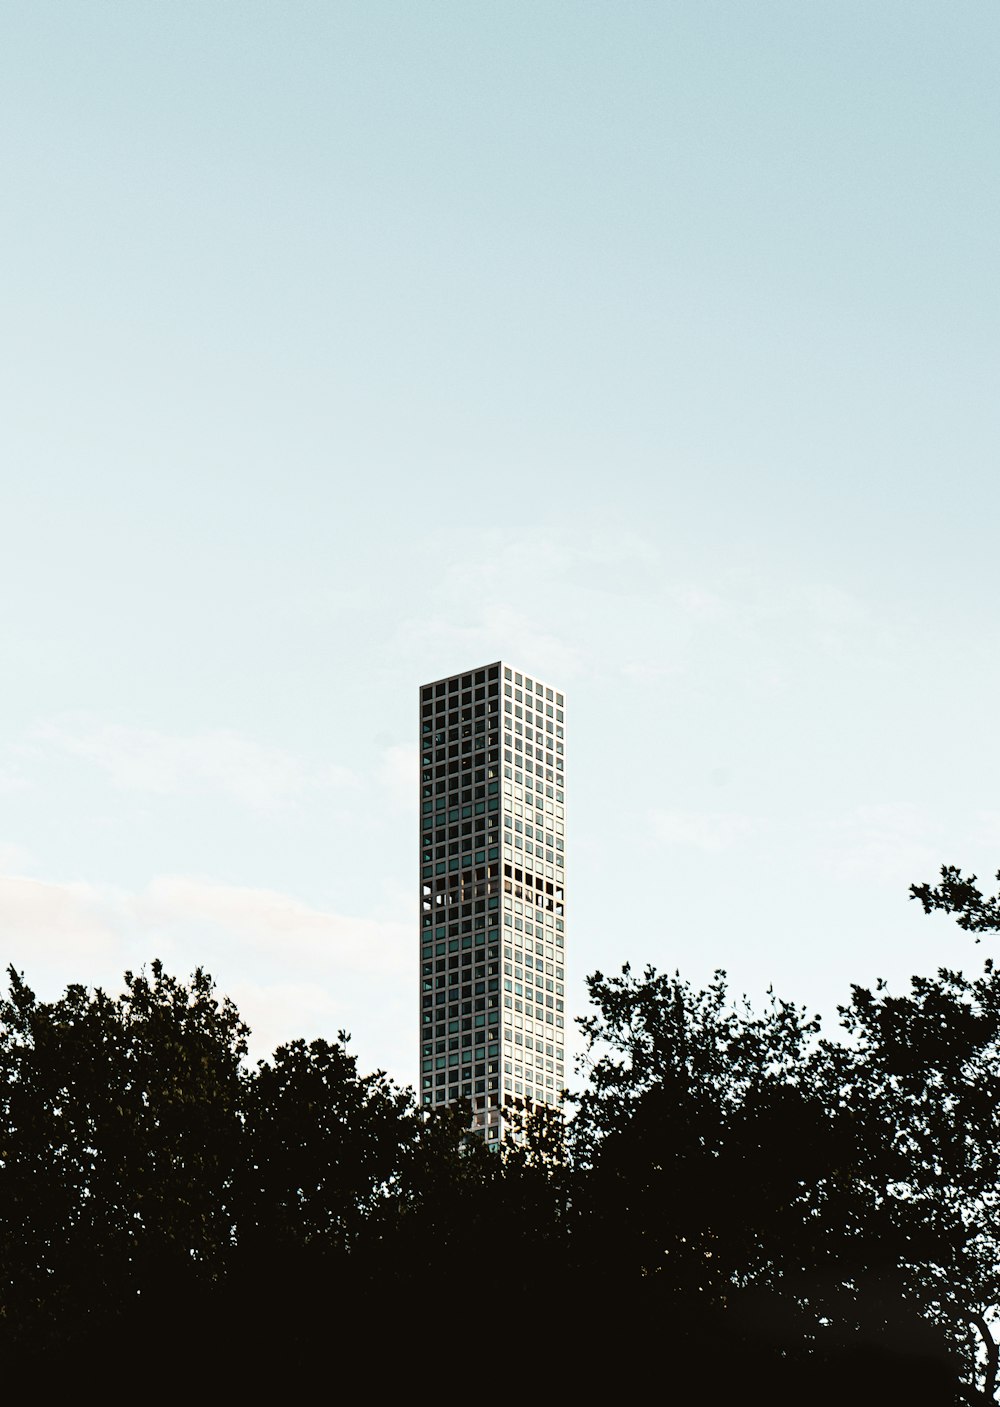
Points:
(956, 894)
(737, 1207)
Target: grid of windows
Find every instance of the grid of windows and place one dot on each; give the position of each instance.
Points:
(492, 892)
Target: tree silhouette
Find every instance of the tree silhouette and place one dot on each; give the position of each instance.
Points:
(736, 1178)
(118, 1121)
(738, 1201)
(956, 894)
(974, 1117)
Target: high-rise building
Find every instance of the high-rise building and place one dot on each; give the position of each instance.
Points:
(492, 893)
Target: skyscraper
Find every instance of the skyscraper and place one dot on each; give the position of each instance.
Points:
(492, 893)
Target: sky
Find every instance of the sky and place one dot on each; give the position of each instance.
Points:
(652, 348)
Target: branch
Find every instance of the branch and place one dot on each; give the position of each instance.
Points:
(992, 1356)
(959, 895)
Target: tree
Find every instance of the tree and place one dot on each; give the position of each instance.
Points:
(738, 1196)
(119, 1117)
(976, 913)
(956, 894)
(791, 1204)
(324, 1146)
(154, 1186)
(923, 1069)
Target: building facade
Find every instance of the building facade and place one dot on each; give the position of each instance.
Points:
(492, 893)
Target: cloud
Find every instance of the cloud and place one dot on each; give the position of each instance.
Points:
(41, 921)
(220, 761)
(547, 599)
(293, 969)
(711, 831)
(279, 1012)
(502, 599)
(274, 925)
(15, 860)
(398, 773)
(985, 833)
(494, 631)
(893, 843)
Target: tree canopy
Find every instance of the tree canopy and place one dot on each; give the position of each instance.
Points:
(736, 1199)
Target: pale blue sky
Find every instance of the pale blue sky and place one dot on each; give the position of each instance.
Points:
(653, 347)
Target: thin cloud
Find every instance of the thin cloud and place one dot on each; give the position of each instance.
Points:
(498, 602)
(275, 926)
(15, 860)
(215, 762)
(496, 631)
(711, 831)
(399, 772)
(41, 919)
(44, 922)
(892, 843)
(278, 1012)
(293, 969)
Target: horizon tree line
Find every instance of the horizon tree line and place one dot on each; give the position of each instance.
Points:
(737, 1201)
